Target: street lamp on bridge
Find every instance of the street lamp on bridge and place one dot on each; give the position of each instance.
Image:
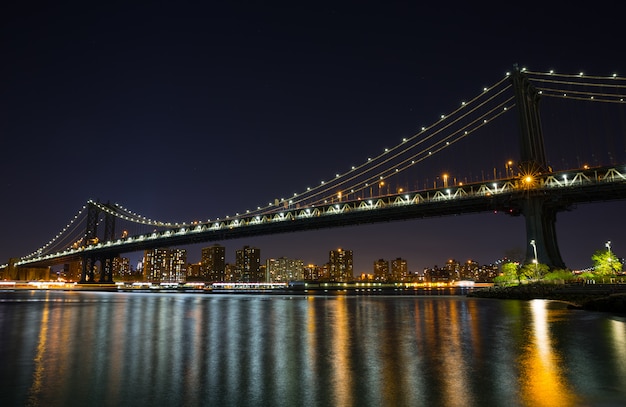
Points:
(509, 168)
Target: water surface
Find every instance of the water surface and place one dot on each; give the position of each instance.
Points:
(146, 349)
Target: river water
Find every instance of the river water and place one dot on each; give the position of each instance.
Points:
(146, 349)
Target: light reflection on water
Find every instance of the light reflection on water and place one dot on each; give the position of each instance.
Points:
(543, 382)
(109, 349)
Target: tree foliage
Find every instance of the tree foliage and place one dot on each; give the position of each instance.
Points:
(559, 275)
(606, 263)
(535, 271)
(510, 273)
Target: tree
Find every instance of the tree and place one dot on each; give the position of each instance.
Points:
(510, 273)
(606, 263)
(559, 275)
(534, 271)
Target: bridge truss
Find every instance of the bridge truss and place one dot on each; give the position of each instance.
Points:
(358, 195)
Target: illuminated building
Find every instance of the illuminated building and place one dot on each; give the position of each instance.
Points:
(165, 265)
(399, 270)
(314, 272)
(195, 272)
(178, 265)
(381, 270)
(230, 273)
(283, 270)
(248, 265)
(340, 265)
(214, 262)
(470, 270)
(121, 269)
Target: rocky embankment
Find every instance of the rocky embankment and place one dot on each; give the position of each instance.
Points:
(592, 297)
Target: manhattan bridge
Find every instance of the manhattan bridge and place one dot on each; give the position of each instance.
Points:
(531, 186)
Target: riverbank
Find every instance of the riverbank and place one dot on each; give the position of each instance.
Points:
(591, 297)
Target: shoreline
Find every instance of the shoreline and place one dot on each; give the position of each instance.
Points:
(590, 297)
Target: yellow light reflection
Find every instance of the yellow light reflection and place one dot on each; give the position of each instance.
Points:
(542, 382)
(341, 356)
(454, 367)
(618, 336)
(39, 370)
(311, 376)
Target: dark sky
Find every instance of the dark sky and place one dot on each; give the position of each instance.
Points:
(182, 111)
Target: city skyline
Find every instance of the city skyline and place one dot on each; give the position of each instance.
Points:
(171, 265)
(180, 119)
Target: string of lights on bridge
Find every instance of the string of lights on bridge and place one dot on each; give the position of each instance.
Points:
(563, 179)
(321, 193)
(615, 83)
(359, 178)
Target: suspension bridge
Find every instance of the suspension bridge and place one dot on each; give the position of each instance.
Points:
(533, 188)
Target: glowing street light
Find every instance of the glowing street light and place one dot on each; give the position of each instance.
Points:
(445, 180)
(532, 243)
(509, 169)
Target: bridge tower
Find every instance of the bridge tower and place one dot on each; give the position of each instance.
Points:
(539, 210)
(91, 237)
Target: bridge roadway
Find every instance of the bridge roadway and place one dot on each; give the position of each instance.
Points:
(558, 190)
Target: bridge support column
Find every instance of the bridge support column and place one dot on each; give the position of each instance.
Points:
(541, 231)
(106, 269)
(87, 270)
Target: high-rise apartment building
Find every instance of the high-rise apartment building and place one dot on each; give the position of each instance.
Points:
(340, 265)
(453, 269)
(248, 265)
(121, 269)
(214, 262)
(470, 271)
(381, 270)
(283, 270)
(195, 272)
(399, 270)
(178, 265)
(165, 265)
(313, 272)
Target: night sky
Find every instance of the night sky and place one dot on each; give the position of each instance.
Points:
(187, 112)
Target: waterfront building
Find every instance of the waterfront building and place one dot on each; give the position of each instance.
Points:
(165, 265)
(214, 262)
(283, 270)
(399, 270)
(313, 272)
(195, 272)
(381, 270)
(155, 264)
(230, 273)
(178, 265)
(470, 270)
(437, 275)
(121, 269)
(340, 265)
(488, 273)
(248, 265)
(453, 270)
